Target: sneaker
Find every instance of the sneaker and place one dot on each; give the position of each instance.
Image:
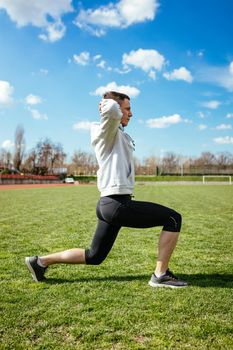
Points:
(166, 280)
(36, 270)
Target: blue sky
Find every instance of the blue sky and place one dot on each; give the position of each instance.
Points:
(173, 57)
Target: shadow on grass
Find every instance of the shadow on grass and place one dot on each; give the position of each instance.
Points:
(209, 280)
(114, 278)
(198, 280)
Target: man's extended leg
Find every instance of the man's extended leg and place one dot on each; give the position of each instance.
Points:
(101, 245)
(70, 256)
(38, 265)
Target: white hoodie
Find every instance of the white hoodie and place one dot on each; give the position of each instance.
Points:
(114, 151)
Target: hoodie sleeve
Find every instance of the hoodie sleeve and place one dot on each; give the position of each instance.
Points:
(104, 133)
(111, 115)
(110, 118)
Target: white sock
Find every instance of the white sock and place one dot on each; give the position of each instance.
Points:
(39, 262)
(158, 275)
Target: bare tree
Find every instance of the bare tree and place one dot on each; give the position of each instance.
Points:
(204, 164)
(151, 164)
(207, 159)
(5, 159)
(29, 164)
(224, 159)
(45, 157)
(19, 147)
(83, 163)
(58, 156)
(138, 166)
(170, 163)
(43, 153)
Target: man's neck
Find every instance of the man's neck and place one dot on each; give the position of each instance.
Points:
(121, 127)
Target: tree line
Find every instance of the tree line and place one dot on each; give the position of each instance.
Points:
(48, 157)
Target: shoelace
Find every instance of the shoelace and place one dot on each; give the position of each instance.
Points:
(170, 274)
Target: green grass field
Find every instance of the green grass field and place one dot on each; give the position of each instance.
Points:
(111, 306)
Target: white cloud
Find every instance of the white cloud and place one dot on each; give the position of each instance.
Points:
(181, 73)
(55, 32)
(97, 57)
(106, 16)
(152, 74)
(33, 100)
(83, 125)
(43, 14)
(229, 115)
(25, 12)
(8, 144)
(131, 91)
(224, 127)
(44, 71)
(6, 90)
(224, 140)
(201, 115)
(200, 53)
(120, 15)
(216, 75)
(125, 70)
(37, 115)
(213, 104)
(83, 59)
(101, 64)
(147, 60)
(231, 68)
(164, 122)
(202, 127)
(136, 11)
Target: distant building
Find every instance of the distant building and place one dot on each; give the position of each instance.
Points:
(58, 171)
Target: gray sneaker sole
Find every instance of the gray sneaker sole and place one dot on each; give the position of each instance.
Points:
(27, 262)
(161, 285)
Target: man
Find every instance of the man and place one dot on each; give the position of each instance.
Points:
(114, 153)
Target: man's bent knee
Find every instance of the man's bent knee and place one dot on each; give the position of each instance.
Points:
(174, 222)
(92, 258)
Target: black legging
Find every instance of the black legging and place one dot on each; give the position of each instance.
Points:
(116, 211)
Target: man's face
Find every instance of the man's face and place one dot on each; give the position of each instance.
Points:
(126, 110)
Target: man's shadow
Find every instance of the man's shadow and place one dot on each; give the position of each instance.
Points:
(214, 280)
